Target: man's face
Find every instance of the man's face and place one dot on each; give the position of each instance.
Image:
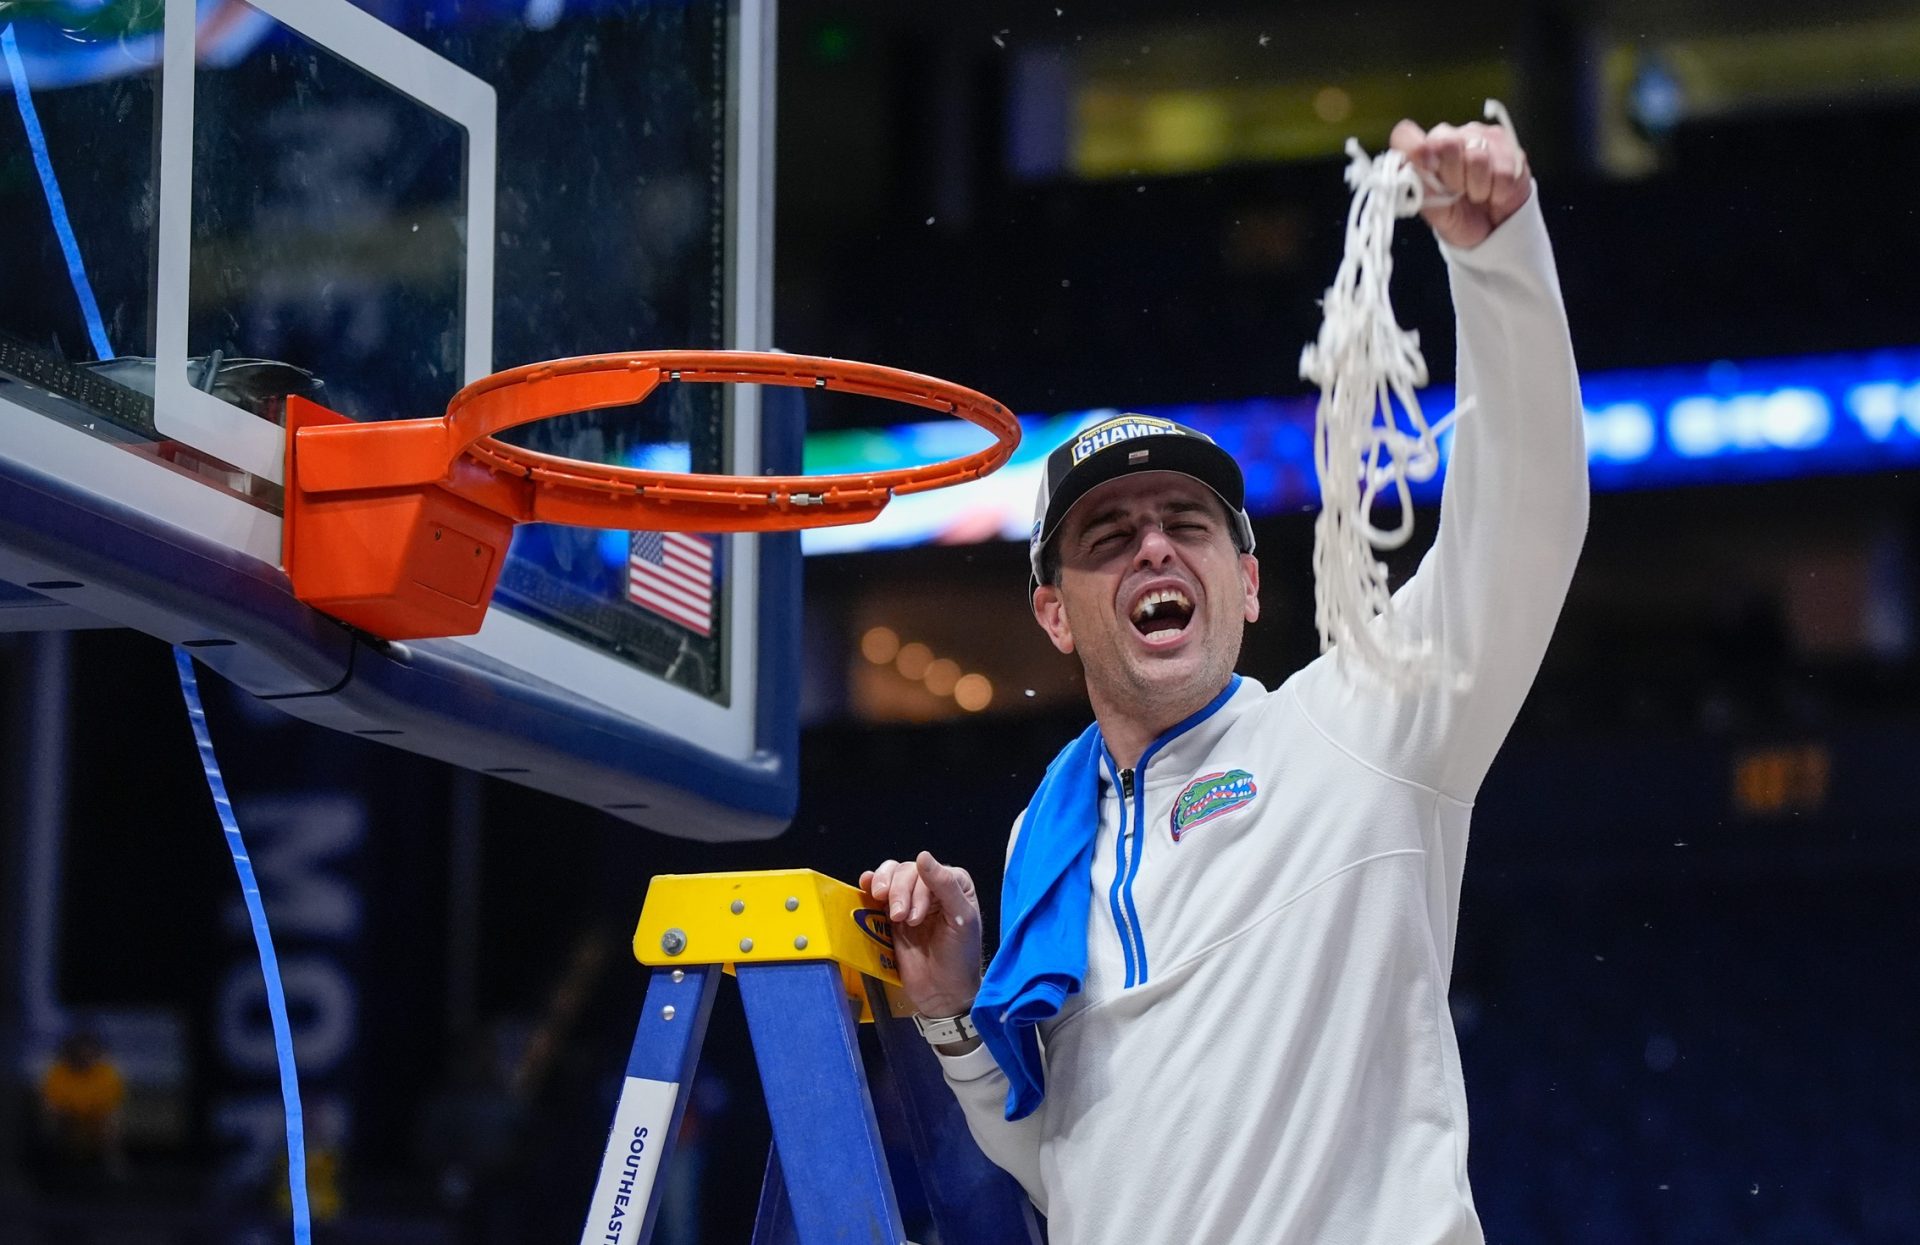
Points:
(1151, 593)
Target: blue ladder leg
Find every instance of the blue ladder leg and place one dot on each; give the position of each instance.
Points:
(973, 1202)
(816, 1090)
(773, 1222)
(666, 1046)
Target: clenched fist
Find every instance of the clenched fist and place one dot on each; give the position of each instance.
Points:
(1480, 168)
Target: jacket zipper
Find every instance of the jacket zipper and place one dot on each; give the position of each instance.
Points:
(1129, 935)
(1126, 918)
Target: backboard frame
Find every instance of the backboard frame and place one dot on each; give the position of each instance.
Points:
(195, 566)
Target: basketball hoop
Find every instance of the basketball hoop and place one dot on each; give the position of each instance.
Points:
(400, 527)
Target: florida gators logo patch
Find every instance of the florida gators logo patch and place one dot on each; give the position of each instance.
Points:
(1210, 796)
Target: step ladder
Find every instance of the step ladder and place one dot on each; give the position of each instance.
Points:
(812, 958)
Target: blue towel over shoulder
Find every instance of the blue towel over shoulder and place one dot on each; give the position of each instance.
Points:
(1043, 920)
(1043, 909)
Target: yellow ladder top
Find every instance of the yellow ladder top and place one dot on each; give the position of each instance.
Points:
(766, 916)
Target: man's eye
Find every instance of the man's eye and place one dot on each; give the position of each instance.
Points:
(1192, 525)
(1107, 540)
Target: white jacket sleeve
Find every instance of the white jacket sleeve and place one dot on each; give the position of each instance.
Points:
(1512, 518)
(980, 1085)
(1012, 1145)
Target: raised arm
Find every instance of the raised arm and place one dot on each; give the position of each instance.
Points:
(1514, 506)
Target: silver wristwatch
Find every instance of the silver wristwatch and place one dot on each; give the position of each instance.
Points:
(943, 1030)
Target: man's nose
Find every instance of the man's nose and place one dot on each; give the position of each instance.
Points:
(1155, 548)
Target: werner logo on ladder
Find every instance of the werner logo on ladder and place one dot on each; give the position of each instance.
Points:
(812, 960)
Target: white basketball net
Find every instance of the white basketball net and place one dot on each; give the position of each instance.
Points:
(1370, 435)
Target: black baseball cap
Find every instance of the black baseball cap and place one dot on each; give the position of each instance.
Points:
(1121, 446)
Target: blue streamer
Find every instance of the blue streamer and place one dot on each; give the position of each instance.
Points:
(56, 205)
(263, 939)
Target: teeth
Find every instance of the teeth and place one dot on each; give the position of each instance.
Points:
(1148, 604)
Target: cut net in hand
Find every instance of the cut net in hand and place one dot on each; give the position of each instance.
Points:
(1371, 437)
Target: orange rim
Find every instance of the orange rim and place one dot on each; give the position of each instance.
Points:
(745, 503)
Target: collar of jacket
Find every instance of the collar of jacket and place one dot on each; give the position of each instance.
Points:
(1181, 746)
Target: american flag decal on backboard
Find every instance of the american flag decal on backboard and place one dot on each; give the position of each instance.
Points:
(671, 574)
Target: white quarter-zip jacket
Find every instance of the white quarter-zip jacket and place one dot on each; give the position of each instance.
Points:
(1262, 1052)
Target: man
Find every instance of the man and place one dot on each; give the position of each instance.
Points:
(1219, 1010)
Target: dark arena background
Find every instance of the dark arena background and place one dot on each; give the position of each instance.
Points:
(1684, 984)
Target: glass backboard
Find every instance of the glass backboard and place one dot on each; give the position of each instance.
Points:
(370, 204)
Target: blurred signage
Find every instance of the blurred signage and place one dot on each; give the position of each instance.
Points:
(1756, 64)
(1721, 423)
(1134, 98)
(1124, 126)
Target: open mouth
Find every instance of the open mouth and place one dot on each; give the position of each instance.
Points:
(1163, 614)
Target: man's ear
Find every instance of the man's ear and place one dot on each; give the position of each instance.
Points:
(1050, 611)
(1250, 584)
